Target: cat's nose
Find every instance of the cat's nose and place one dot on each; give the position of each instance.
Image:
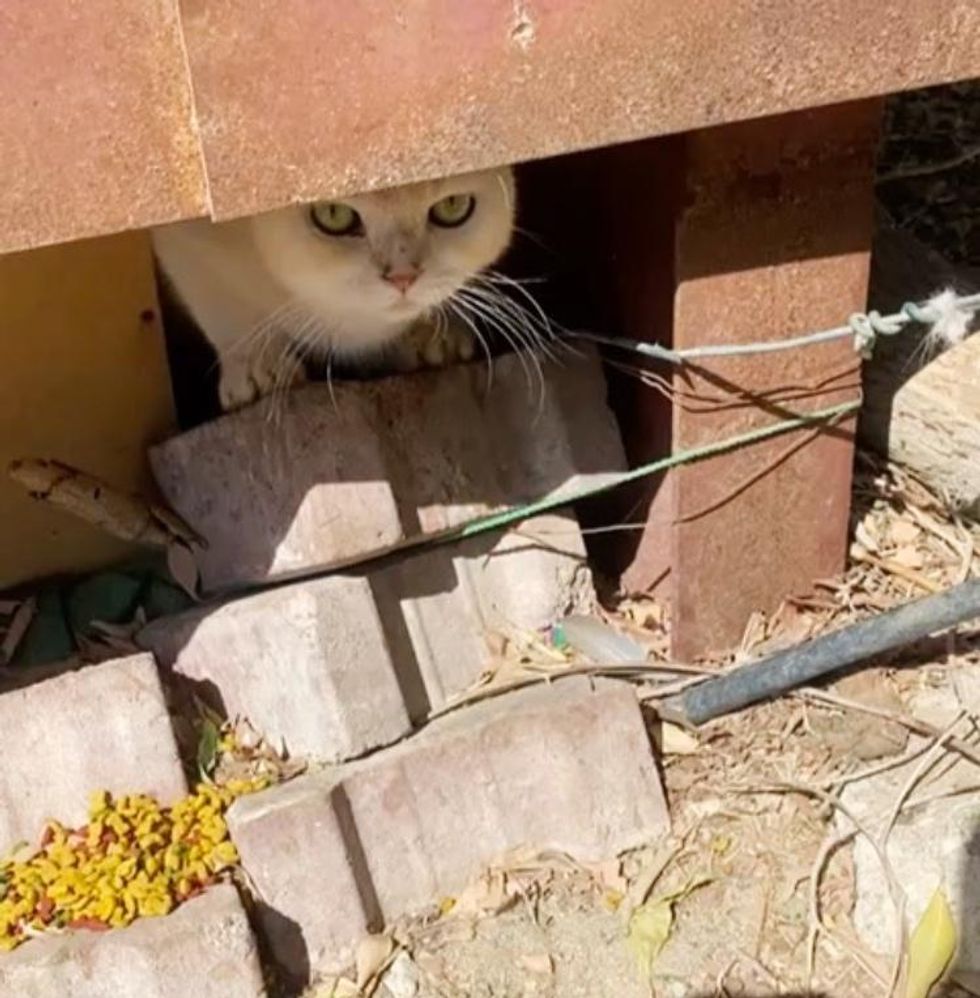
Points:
(402, 278)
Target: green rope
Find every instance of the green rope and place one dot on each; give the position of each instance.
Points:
(516, 513)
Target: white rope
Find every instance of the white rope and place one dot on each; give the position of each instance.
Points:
(947, 316)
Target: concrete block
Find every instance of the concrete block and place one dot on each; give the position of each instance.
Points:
(102, 727)
(341, 475)
(314, 895)
(205, 948)
(338, 666)
(566, 767)
(309, 665)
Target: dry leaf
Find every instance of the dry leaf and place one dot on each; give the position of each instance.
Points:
(649, 930)
(489, 895)
(650, 924)
(671, 739)
(902, 532)
(183, 568)
(16, 630)
(537, 963)
(931, 947)
(864, 535)
(372, 955)
(909, 556)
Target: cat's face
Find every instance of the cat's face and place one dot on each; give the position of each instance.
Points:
(390, 256)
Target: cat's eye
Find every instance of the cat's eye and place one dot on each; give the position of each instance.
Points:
(336, 218)
(452, 211)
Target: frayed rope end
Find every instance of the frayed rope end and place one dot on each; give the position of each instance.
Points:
(949, 323)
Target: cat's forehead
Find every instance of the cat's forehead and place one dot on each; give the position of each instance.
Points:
(417, 198)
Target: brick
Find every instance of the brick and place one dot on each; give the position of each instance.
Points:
(567, 767)
(448, 87)
(341, 476)
(102, 727)
(334, 667)
(102, 108)
(205, 948)
(764, 231)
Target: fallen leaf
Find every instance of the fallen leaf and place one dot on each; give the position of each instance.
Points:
(648, 932)
(207, 748)
(16, 629)
(537, 963)
(902, 532)
(909, 556)
(650, 925)
(931, 947)
(671, 739)
(487, 896)
(182, 566)
(372, 954)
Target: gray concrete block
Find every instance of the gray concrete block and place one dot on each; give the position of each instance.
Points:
(340, 475)
(335, 667)
(105, 727)
(566, 767)
(309, 665)
(205, 948)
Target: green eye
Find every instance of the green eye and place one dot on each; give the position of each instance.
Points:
(335, 218)
(452, 211)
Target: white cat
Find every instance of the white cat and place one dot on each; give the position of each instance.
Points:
(346, 278)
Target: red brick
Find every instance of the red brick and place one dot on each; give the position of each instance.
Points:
(768, 239)
(96, 111)
(322, 97)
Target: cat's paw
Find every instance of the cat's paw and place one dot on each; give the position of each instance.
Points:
(248, 378)
(432, 344)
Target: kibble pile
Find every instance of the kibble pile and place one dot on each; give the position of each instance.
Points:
(134, 858)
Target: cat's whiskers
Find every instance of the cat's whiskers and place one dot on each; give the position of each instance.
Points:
(512, 334)
(538, 332)
(451, 307)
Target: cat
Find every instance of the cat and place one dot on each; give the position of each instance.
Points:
(403, 271)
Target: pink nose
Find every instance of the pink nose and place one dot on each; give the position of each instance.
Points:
(402, 279)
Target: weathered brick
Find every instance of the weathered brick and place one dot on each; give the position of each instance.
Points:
(566, 767)
(205, 949)
(345, 472)
(102, 727)
(337, 666)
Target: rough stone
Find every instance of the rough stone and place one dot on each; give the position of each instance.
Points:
(348, 472)
(102, 727)
(567, 767)
(205, 949)
(334, 667)
(935, 846)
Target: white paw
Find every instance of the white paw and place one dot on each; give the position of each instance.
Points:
(434, 344)
(248, 377)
